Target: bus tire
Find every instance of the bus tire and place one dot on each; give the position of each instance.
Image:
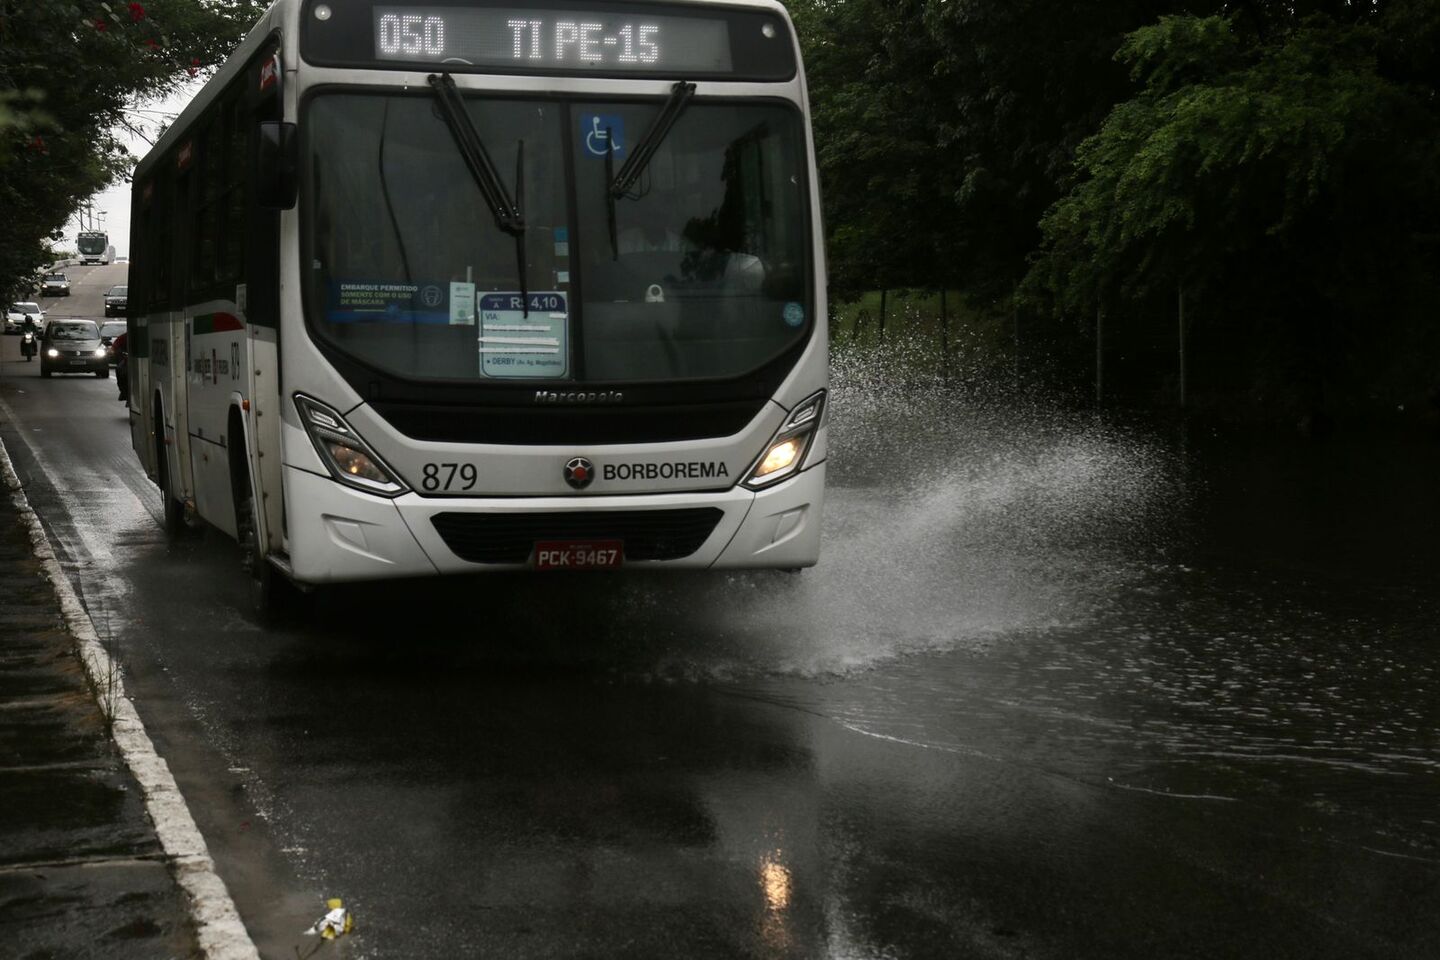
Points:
(270, 593)
(103, 374)
(264, 590)
(172, 519)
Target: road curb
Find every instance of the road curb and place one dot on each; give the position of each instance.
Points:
(219, 930)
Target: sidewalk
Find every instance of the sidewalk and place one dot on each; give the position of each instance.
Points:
(82, 873)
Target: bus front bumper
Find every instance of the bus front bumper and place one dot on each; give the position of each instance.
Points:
(338, 534)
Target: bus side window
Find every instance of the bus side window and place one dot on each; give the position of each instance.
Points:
(232, 234)
(181, 237)
(204, 222)
(162, 223)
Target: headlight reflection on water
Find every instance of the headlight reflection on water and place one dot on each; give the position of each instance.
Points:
(775, 881)
(775, 885)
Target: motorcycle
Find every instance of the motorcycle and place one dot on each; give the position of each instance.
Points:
(27, 345)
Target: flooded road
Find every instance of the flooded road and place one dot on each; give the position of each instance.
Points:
(1060, 688)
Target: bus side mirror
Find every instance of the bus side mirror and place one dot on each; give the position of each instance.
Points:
(277, 165)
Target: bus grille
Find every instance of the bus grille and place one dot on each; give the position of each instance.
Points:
(568, 425)
(511, 537)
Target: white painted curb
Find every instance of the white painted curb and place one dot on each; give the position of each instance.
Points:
(221, 934)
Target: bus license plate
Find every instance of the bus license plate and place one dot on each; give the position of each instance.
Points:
(578, 554)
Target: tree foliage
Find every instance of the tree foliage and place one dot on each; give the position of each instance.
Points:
(1278, 159)
(1297, 153)
(68, 72)
(945, 128)
(874, 106)
(1284, 168)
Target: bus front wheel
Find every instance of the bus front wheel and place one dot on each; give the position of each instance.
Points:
(271, 594)
(264, 586)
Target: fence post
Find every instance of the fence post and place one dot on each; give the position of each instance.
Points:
(1099, 356)
(1015, 326)
(944, 330)
(1184, 369)
(884, 294)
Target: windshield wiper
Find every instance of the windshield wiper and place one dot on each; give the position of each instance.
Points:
(640, 157)
(384, 191)
(609, 196)
(507, 213)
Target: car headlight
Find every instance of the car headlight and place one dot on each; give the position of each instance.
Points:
(52, 352)
(786, 451)
(349, 458)
(99, 351)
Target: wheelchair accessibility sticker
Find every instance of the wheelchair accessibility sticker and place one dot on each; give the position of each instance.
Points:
(599, 131)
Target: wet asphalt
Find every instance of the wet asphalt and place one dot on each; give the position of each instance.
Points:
(1058, 689)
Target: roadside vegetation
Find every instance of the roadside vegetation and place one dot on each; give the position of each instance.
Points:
(1237, 205)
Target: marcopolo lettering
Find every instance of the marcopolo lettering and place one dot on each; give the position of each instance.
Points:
(578, 396)
(692, 470)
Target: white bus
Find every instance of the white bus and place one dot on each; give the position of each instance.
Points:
(94, 247)
(425, 288)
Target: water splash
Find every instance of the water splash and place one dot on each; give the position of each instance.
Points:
(953, 517)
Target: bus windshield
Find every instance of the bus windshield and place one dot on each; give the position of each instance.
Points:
(700, 270)
(92, 243)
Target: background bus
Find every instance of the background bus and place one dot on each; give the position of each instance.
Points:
(94, 247)
(408, 300)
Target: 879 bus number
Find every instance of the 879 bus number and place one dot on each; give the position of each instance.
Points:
(449, 476)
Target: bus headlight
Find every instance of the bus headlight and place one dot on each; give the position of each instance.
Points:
(100, 352)
(787, 449)
(781, 457)
(52, 352)
(349, 458)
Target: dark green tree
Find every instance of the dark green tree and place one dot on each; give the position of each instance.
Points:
(886, 190)
(68, 71)
(1020, 84)
(1270, 164)
(945, 129)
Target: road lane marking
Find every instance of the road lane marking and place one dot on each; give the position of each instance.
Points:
(218, 927)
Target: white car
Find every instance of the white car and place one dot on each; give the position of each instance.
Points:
(15, 316)
(55, 285)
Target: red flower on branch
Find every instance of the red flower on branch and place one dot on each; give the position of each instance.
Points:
(38, 144)
(137, 13)
(152, 44)
(100, 24)
(194, 67)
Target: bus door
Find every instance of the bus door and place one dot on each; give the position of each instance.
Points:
(175, 331)
(261, 308)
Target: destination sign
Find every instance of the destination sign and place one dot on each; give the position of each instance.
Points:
(586, 38)
(548, 39)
